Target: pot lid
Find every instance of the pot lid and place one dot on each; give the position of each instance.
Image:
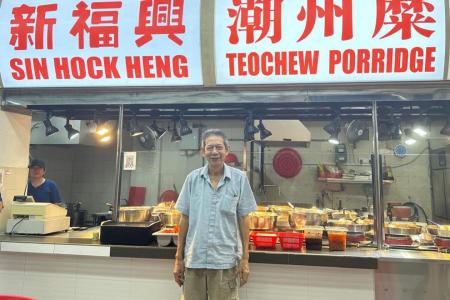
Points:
(287, 163)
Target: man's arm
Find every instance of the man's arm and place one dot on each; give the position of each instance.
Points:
(178, 269)
(244, 270)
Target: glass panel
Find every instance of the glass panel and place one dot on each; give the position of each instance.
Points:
(83, 168)
(416, 162)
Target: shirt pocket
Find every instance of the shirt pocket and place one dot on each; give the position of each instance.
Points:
(229, 204)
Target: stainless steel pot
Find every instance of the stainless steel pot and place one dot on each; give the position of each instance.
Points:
(170, 218)
(135, 214)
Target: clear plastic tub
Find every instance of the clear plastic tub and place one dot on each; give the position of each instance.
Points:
(337, 238)
(313, 237)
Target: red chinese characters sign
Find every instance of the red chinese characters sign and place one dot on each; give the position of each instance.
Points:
(275, 41)
(100, 43)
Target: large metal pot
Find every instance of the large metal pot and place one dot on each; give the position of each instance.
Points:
(135, 214)
(170, 218)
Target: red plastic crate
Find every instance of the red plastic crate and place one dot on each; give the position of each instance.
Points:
(264, 239)
(291, 240)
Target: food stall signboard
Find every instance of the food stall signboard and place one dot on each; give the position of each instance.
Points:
(323, 41)
(49, 43)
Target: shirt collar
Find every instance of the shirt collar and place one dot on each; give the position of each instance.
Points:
(226, 171)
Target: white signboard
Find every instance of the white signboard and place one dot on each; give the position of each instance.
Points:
(321, 41)
(49, 43)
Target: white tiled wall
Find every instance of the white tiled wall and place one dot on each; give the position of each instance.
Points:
(56, 277)
(89, 177)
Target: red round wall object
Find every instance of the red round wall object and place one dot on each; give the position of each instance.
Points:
(231, 158)
(287, 163)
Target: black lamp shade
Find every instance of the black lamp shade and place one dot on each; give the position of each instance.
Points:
(184, 127)
(160, 132)
(49, 128)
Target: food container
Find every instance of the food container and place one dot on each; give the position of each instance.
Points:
(444, 231)
(355, 237)
(282, 222)
(358, 228)
(264, 240)
(134, 214)
(346, 214)
(313, 237)
(313, 217)
(170, 218)
(291, 240)
(337, 238)
(262, 220)
(432, 229)
(402, 228)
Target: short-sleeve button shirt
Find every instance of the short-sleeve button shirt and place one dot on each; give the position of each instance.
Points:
(213, 239)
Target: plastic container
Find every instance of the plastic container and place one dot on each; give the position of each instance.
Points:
(337, 238)
(313, 237)
(264, 239)
(262, 220)
(291, 240)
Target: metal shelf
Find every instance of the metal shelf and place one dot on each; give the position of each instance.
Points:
(352, 181)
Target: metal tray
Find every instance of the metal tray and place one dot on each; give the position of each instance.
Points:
(403, 230)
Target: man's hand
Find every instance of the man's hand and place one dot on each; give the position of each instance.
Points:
(178, 272)
(1, 206)
(243, 271)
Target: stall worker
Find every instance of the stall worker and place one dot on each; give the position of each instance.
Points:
(212, 255)
(41, 188)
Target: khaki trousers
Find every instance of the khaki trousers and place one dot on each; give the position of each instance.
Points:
(204, 284)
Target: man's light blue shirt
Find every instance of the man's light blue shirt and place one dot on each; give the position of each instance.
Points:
(213, 240)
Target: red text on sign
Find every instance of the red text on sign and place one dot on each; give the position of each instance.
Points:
(29, 68)
(80, 68)
(376, 61)
(273, 63)
(157, 66)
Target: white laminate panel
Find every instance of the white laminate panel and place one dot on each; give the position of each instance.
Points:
(27, 247)
(152, 279)
(82, 250)
(11, 282)
(102, 289)
(47, 286)
(104, 267)
(324, 282)
(150, 289)
(268, 282)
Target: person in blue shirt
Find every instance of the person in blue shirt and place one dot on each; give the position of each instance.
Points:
(42, 189)
(212, 255)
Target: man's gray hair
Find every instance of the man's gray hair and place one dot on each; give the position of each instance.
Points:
(215, 132)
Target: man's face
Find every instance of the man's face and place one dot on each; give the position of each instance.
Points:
(37, 172)
(215, 151)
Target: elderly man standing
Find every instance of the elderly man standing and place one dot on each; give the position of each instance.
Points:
(212, 255)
